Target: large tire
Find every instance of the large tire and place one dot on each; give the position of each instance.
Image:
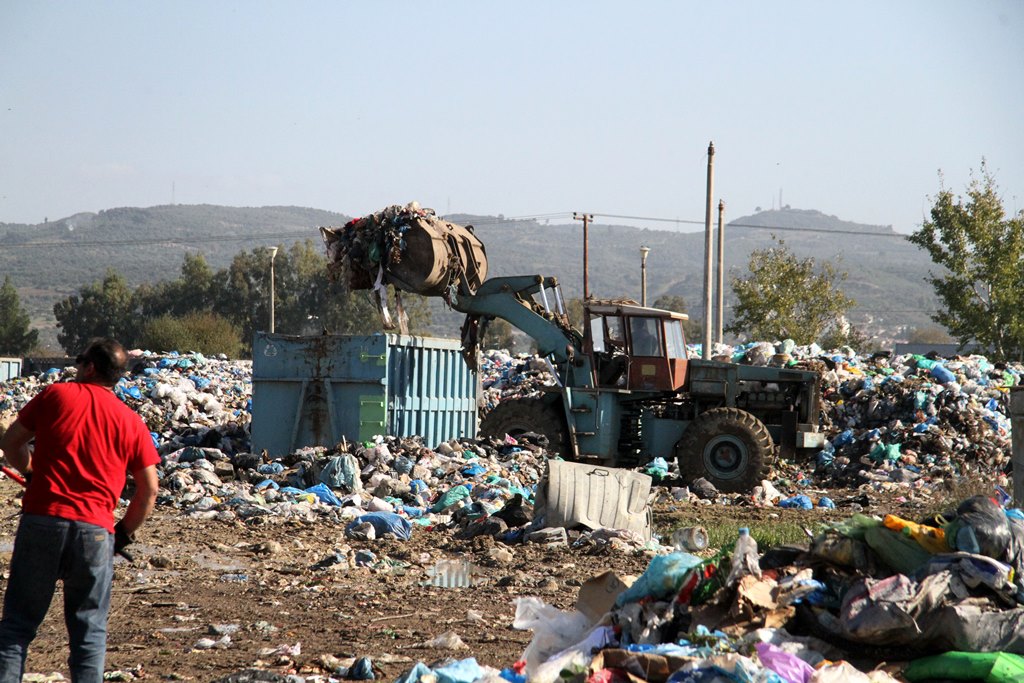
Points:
(727, 446)
(518, 416)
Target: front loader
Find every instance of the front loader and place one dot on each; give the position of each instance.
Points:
(627, 393)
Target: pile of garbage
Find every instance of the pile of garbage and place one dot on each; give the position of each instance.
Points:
(185, 399)
(903, 420)
(904, 425)
(504, 376)
(939, 602)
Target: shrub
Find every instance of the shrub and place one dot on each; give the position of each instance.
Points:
(202, 332)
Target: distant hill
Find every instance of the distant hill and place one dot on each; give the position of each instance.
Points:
(52, 260)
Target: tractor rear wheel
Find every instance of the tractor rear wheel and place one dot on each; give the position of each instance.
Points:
(727, 446)
(518, 416)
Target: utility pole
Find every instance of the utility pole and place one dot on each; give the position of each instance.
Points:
(644, 251)
(719, 312)
(586, 218)
(273, 253)
(706, 344)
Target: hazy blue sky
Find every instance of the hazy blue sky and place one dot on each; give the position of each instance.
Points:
(516, 108)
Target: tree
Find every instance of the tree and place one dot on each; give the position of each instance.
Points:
(500, 335)
(241, 292)
(844, 334)
(786, 297)
(16, 339)
(203, 332)
(929, 334)
(189, 293)
(105, 308)
(981, 252)
(307, 302)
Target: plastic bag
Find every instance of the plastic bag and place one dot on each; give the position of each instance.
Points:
(463, 671)
(385, 523)
(451, 497)
(800, 502)
(980, 527)
(790, 667)
(553, 629)
(930, 538)
(662, 578)
(342, 472)
(991, 667)
(324, 494)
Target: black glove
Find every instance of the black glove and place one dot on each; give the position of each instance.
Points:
(122, 539)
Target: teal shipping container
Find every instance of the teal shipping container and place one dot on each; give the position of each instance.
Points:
(319, 390)
(9, 368)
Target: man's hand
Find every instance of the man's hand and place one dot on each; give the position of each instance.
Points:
(122, 539)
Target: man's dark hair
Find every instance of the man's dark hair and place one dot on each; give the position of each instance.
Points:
(108, 359)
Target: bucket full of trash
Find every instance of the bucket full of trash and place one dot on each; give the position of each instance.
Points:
(410, 248)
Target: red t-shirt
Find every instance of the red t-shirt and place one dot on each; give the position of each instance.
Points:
(87, 440)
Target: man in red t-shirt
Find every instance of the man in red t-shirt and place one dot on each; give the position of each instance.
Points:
(86, 441)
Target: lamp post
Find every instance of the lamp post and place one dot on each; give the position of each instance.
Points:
(644, 251)
(273, 253)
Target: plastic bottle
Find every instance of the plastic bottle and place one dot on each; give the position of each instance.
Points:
(745, 558)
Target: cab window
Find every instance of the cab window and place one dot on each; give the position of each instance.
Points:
(674, 339)
(606, 334)
(646, 334)
(597, 334)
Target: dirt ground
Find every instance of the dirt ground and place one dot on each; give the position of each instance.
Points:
(252, 590)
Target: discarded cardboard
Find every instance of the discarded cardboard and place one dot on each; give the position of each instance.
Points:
(597, 595)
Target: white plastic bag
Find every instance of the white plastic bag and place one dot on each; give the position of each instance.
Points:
(553, 629)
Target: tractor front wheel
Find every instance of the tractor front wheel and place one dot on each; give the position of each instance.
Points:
(518, 416)
(727, 446)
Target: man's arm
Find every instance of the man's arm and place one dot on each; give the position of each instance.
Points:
(144, 500)
(14, 445)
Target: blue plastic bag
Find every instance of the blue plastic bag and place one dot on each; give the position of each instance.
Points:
(842, 438)
(474, 470)
(662, 577)
(385, 523)
(801, 502)
(324, 494)
(942, 374)
(414, 674)
(463, 671)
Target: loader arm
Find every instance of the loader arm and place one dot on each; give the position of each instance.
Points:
(513, 299)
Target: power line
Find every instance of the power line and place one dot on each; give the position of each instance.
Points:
(751, 225)
(488, 221)
(160, 240)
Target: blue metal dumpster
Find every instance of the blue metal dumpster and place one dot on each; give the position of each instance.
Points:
(9, 368)
(317, 390)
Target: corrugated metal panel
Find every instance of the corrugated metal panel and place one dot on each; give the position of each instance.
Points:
(9, 368)
(314, 391)
(597, 497)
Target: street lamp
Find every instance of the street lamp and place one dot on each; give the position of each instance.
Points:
(273, 253)
(643, 274)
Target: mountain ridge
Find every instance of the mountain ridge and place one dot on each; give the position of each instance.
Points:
(51, 260)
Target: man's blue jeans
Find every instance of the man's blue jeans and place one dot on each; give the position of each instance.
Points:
(48, 549)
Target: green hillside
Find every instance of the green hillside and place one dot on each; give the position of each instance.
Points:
(49, 261)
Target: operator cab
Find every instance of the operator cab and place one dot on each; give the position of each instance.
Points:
(635, 347)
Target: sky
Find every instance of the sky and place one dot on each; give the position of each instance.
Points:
(522, 109)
